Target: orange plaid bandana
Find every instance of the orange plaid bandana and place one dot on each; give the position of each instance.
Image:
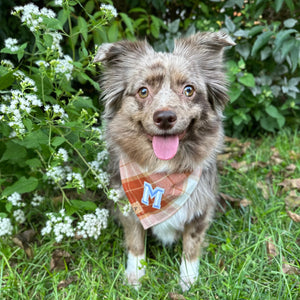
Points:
(155, 197)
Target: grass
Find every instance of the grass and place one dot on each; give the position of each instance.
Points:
(236, 262)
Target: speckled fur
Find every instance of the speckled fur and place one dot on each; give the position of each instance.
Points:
(195, 61)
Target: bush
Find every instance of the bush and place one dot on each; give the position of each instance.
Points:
(51, 139)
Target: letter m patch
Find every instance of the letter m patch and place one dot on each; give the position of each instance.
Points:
(156, 194)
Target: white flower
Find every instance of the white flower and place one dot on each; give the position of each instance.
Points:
(102, 156)
(58, 2)
(19, 216)
(42, 63)
(32, 16)
(92, 224)
(16, 200)
(76, 179)
(56, 174)
(37, 200)
(109, 9)
(61, 226)
(103, 179)
(63, 66)
(7, 63)
(11, 44)
(62, 154)
(113, 195)
(5, 227)
(126, 209)
(56, 38)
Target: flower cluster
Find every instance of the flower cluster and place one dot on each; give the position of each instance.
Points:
(19, 103)
(16, 200)
(90, 226)
(62, 154)
(63, 66)
(19, 216)
(109, 10)
(37, 200)
(63, 174)
(11, 44)
(5, 227)
(61, 226)
(32, 16)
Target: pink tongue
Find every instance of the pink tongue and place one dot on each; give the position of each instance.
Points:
(165, 147)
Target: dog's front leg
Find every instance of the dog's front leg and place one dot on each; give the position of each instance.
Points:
(135, 242)
(193, 237)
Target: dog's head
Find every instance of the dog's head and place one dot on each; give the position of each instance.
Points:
(165, 106)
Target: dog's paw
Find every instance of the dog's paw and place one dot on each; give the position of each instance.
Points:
(188, 274)
(135, 269)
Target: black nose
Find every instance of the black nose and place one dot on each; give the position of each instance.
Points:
(164, 119)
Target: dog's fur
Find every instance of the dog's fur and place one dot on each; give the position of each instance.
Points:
(196, 61)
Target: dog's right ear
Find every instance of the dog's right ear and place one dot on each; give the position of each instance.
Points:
(102, 52)
(121, 52)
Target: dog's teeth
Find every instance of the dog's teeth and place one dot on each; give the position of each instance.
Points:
(165, 147)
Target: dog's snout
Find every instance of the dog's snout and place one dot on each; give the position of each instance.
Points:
(164, 119)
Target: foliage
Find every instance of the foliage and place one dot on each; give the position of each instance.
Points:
(51, 139)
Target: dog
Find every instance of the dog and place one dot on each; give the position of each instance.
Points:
(163, 115)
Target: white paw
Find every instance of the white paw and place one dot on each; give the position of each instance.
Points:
(135, 270)
(188, 273)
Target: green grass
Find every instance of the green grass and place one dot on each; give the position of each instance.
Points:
(235, 263)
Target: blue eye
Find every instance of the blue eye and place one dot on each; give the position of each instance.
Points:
(143, 92)
(189, 91)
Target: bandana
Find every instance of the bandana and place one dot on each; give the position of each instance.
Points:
(155, 197)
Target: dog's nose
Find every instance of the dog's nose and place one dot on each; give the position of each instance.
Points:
(164, 119)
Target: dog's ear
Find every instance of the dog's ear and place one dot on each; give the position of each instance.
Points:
(118, 60)
(206, 51)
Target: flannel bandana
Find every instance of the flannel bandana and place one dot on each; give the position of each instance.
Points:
(155, 197)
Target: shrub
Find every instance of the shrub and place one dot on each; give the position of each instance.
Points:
(51, 136)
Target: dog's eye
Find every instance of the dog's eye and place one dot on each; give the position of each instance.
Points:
(189, 91)
(143, 92)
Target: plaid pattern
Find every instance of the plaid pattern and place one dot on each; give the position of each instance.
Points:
(177, 188)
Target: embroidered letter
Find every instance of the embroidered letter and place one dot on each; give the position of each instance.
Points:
(156, 194)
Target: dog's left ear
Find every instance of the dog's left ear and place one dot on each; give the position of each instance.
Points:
(206, 50)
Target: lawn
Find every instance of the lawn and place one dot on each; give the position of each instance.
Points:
(252, 249)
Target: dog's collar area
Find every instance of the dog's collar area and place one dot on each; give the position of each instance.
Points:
(155, 197)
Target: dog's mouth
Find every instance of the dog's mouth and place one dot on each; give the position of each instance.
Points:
(166, 146)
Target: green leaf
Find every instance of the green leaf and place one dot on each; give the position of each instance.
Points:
(261, 41)
(234, 92)
(57, 141)
(281, 37)
(52, 23)
(13, 152)
(272, 111)
(289, 23)
(6, 80)
(113, 32)
(229, 24)
(23, 185)
(255, 30)
(278, 5)
(174, 26)
(265, 53)
(79, 205)
(82, 24)
(290, 5)
(34, 163)
(128, 22)
(247, 79)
